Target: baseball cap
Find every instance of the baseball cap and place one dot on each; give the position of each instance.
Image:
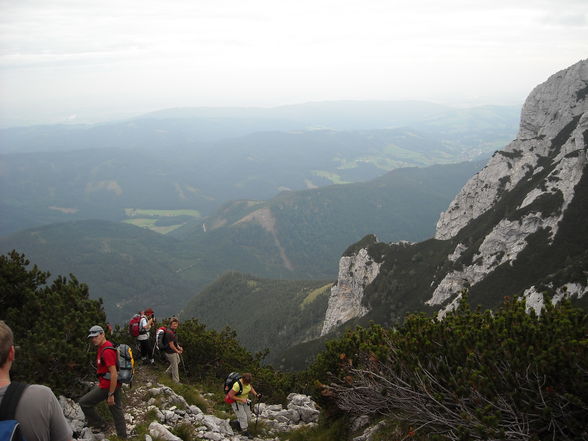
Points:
(95, 330)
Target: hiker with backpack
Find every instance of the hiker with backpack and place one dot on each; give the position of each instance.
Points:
(108, 388)
(238, 397)
(172, 349)
(146, 321)
(31, 411)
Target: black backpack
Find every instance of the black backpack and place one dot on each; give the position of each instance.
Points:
(233, 378)
(10, 428)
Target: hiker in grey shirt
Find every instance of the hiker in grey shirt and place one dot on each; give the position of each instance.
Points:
(38, 411)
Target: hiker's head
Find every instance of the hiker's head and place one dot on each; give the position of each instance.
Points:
(6, 344)
(149, 312)
(174, 323)
(247, 378)
(97, 335)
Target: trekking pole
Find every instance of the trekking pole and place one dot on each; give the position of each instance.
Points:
(257, 413)
(183, 365)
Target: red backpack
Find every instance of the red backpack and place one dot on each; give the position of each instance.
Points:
(134, 325)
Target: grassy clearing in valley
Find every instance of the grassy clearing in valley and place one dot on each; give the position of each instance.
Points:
(133, 212)
(148, 218)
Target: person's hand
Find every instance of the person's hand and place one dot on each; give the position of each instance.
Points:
(248, 402)
(110, 400)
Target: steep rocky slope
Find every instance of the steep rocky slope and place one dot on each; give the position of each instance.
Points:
(516, 228)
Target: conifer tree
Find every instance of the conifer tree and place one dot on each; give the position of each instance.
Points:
(50, 322)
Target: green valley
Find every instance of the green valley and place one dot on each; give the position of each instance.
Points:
(296, 235)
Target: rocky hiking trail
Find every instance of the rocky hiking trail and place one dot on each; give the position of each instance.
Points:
(155, 412)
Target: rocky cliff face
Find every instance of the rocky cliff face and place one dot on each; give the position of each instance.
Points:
(517, 227)
(553, 122)
(355, 272)
(552, 141)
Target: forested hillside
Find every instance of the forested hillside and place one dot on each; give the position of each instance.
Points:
(304, 233)
(130, 268)
(267, 314)
(297, 235)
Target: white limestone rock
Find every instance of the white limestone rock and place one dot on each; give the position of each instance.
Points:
(73, 414)
(355, 273)
(534, 299)
(159, 431)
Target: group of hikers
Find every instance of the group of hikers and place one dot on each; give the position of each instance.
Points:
(140, 327)
(33, 412)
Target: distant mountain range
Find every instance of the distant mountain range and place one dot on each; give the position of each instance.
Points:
(162, 169)
(186, 126)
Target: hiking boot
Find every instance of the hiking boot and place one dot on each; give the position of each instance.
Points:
(235, 425)
(102, 428)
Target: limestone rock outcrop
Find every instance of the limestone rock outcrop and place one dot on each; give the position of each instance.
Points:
(552, 140)
(355, 273)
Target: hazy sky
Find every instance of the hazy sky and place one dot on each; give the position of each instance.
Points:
(87, 60)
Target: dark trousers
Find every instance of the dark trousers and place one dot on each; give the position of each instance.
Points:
(146, 350)
(89, 402)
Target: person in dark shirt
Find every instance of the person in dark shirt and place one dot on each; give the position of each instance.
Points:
(172, 349)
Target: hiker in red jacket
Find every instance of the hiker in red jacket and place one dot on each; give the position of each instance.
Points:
(108, 387)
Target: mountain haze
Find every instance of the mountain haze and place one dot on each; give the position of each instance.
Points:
(182, 126)
(157, 170)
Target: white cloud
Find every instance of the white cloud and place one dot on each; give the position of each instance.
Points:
(138, 55)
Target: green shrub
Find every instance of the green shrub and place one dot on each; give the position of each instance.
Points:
(50, 322)
(477, 374)
(184, 431)
(327, 430)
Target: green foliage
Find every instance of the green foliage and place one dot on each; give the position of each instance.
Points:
(128, 267)
(327, 430)
(209, 356)
(184, 431)
(266, 314)
(189, 392)
(472, 375)
(50, 322)
(367, 241)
